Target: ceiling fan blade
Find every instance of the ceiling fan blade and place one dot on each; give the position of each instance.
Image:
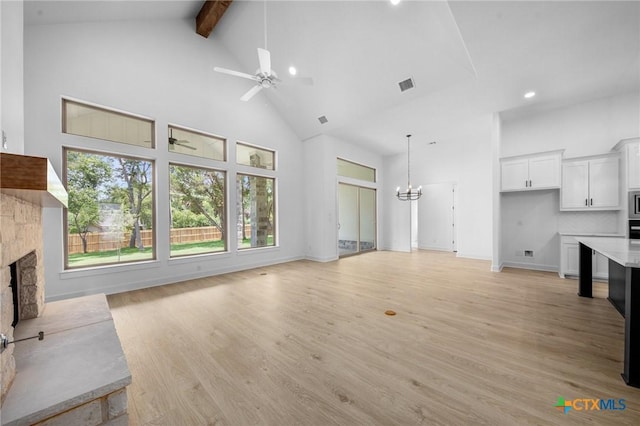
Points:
(251, 93)
(265, 61)
(186, 145)
(236, 73)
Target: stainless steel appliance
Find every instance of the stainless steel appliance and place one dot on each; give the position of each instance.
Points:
(634, 205)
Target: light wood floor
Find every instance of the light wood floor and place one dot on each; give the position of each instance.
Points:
(308, 343)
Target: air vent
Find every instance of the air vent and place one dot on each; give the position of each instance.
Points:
(406, 84)
(323, 119)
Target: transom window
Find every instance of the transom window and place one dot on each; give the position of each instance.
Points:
(249, 155)
(196, 143)
(355, 171)
(101, 123)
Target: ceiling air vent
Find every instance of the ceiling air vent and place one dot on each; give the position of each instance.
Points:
(323, 119)
(406, 84)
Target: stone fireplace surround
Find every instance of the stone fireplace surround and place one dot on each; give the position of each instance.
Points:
(20, 237)
(78, 374)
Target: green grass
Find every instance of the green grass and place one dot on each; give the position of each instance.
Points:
(183, 249)
(110, 256)
(133, 254)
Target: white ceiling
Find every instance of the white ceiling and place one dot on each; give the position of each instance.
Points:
(467, 59)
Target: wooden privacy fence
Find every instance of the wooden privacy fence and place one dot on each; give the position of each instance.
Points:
(97, 241)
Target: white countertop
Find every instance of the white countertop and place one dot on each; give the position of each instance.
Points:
(589, 234)
(621, 250)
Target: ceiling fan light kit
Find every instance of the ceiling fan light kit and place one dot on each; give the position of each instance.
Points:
(265, 77)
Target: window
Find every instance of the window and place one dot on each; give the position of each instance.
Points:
(110, 216)
(248, 155)
(197, 210)
(195, 143)
(256, 212)
(356, 171)
(86, 120)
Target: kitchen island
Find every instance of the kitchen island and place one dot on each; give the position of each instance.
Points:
(624, 291)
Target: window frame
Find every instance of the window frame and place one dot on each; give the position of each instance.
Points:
(274, 225)
(65, 214)
(225, 148)
(262, 148)
(225, 208)
(375, 171)
(64, 124)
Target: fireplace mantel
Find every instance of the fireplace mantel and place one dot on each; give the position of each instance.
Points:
(31, 179)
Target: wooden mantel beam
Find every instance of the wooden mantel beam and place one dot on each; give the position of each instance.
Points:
(210, 15)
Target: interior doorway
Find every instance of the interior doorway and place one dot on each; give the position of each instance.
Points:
(356, 219)
(437, 217)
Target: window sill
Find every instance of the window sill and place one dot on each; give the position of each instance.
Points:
(108, 269)
(254, 250)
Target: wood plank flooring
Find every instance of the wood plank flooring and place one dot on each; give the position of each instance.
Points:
(308, 343)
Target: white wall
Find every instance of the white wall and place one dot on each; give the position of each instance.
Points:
(587, 128)
(321, 186)
(532, 220)
(396, 227)
(466, 160)
(162, 70)
(11, 76)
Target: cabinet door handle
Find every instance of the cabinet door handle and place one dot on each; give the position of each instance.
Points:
(530, 184)
(526, 183)
(592, 201)
(586, 202)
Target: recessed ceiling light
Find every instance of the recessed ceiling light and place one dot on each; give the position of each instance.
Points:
(293, 70)
(395, 2)
(529, 95)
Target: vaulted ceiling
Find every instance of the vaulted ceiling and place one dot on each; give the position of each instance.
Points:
(467, 59)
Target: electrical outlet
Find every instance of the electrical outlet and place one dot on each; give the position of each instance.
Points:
(528, 253)
(4, 140)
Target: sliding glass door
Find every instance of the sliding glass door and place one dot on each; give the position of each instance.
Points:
(356, 219)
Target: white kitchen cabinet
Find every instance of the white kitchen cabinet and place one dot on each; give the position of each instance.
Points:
(633, 165)
(531, 172)
(590, 184)
(570, 260)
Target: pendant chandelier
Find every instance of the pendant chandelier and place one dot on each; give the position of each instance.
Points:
(410, 194)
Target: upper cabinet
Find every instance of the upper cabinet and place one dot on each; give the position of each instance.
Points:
(590, 183)
(531, 172)
(633, 164)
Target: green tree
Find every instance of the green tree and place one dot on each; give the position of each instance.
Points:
(86, 174)
(136, 193)
(199, 191)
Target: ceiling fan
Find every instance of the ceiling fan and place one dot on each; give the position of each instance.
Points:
(264, 77)
(182, 142)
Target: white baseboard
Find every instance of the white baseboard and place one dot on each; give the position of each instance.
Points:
(473, 256)
(130, 286)
(321, 259)
(531, 266)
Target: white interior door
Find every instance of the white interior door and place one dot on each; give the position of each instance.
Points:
(436, 217)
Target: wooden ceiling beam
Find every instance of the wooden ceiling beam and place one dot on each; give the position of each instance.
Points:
(209, 15)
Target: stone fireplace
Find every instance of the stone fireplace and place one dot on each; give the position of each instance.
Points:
(78, 373)
(21, 245)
